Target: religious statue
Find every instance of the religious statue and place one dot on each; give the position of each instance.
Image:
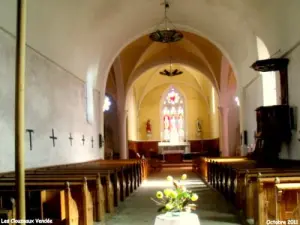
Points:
(198, 126)
(180, 122)
(166, 123)
(173, 123)
(148, 127)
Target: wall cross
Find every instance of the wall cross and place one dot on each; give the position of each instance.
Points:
(53, 138)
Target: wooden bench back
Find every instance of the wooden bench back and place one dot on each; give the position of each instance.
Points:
(266, 200)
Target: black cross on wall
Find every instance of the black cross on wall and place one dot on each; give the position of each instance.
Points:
(83, 139)
(53, 137)
(92, 140)
(71, 139)
(30, 132)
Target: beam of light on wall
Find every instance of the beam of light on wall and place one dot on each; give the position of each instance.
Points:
(236, 99)
(268, 78)
(213, 100)
(106, 104)
(89, 97)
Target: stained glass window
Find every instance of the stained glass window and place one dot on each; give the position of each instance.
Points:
(173, 123)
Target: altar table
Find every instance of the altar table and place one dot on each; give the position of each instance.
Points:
(183, 219)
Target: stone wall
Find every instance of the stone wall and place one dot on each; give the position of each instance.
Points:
(55, 99)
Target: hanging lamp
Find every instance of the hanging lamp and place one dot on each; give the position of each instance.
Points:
(170, 72)
(166, 35)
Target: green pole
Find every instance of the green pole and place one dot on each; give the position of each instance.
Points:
(19, 110)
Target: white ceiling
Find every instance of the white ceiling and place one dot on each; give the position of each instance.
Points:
(87, 35)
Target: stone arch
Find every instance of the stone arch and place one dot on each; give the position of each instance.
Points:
(182, 27)
(146, 67)
(268, 78)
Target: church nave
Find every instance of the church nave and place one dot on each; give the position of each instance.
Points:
(139, 209)
(96, 95)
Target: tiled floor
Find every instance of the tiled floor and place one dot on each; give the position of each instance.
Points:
(138, 209)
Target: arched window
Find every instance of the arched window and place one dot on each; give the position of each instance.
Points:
(268, 78)
(173, 114)
(89, 99)
(106, 104)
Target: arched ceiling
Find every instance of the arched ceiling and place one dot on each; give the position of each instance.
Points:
(192, 50)
(78, 35)
(191, 78)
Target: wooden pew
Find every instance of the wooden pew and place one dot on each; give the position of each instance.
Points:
(269, 192)
(131, 170)
(224, 176)
(139, 167)
(115, 179)
(237, 178)
(135, 171)
(246, 178)
(94, 187)
(200, 165)
(287, 202)
(71, 174)
(68, 210)
(229, 177)
(249, 195)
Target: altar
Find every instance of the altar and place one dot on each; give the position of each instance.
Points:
(174, 151)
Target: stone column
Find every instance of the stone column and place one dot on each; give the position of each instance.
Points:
(123, 145)
(224, 111)
(241, 95)
(121, 102)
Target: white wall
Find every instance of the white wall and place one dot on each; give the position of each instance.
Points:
(253, 98)
(77, 34)
(54, 99)
(278, 31)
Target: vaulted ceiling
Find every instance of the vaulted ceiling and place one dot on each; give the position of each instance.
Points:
(83, 36)
(142, 60)
(192, 51)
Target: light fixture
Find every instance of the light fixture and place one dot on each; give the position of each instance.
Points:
(166, 35)
(170, 72)
(106, 104)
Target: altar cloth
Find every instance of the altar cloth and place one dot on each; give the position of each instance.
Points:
(183, 219)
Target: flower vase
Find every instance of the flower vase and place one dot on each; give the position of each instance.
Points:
(175, 214)
(172, 214)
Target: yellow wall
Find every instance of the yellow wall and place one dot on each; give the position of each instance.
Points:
(196, 107)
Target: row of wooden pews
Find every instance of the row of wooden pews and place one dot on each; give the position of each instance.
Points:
(262, 193)
(74, 194)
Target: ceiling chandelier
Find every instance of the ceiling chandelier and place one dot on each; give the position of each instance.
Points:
(166, 35)
(170, 72)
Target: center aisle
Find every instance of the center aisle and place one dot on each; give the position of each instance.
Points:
(139, 209)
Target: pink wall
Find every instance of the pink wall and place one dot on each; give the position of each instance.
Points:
(229, 111)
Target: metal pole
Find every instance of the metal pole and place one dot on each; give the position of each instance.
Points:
(19, 110)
